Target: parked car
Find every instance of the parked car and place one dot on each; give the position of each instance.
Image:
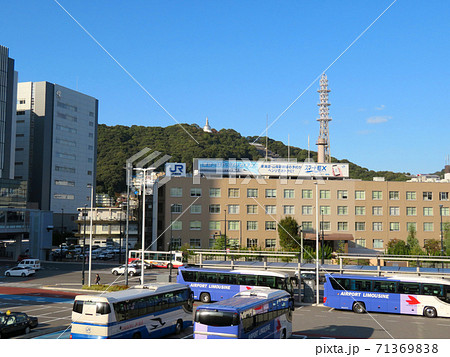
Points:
(35, 264)
(16, 323)
(20, 271)
(105, 256)
(146, 265)
(132, 270)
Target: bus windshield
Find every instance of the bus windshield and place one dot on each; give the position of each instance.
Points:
(217, 318)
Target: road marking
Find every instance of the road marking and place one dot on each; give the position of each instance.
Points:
(331, 309)
(187, 336)
(57, 318)
(443, 325)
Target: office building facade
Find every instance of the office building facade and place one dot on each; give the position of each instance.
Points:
(56, 148)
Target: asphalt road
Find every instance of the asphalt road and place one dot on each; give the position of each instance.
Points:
(53, 307)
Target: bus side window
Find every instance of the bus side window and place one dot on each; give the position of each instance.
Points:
(433, 289)
(232, 279)
(408, 288)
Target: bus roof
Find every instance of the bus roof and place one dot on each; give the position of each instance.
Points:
(133, 293)
(237, 271)
(406, 278)
(246, 299)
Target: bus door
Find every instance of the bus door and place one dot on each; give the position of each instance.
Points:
(384, 298)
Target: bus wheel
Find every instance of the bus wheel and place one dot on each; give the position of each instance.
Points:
(169, 266)
(205, 298)
(283, 334)
(429, 311)
(178, 327)
(137, 335)
(359, 307)
(131, 273)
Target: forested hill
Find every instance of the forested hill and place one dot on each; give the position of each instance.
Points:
(117, 143)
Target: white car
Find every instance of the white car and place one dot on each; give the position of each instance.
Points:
(20, 271)
(132, 270)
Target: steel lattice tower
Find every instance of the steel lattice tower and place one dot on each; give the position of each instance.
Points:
(323, 142)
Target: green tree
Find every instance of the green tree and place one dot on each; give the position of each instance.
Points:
(287, 233)
(433, 247)
(397, 247)
(446, 236)
(412, 242)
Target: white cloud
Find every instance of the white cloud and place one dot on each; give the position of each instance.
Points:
(381, 107)
(378, 119)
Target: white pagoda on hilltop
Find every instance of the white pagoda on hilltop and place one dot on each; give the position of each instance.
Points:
(207, 128)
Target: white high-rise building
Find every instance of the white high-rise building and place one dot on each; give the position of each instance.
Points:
(56, 147)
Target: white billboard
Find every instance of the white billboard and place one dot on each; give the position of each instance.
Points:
(175, 169)
(270, 168)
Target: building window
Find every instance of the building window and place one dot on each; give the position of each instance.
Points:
(233, 193)
(307, 210)
(325, 194)
(214, 225)
(91, 135)
(394, 211)
(234, 225)
(91, 123)
(233, 209)
(195, 225)
(342, 226)
(288, 210)
(411, 225)
(325, 226)
(360, 195)
(377, 226)
(271, 193)
(252, 192)
(252, 225)
(289, 193)
(21, 112)
(377, 210)
(176, 243)
(307, 226)
(445, 211)
(64, 183)
(67, 142)
(176, 192)
(105, 227)
(342, 194)
(394, 195)
(271, 243)
(428, 196)
(252, 209)
(176, 208)
(271, 226)
(62, 196)
(443, 196)
(214, 192)
(271, 209)
(196, 209)
(394, 226)
(428, 211)
(325, 210)
(360, 226)
(361, 242)
(20, 135)
(411, 195)
(251, 243)
(196, 192)
(411, 211)
(377, 195)
(214, 209)
(360, 210)
(69, 170)
(21, 101)
(195, 243)
(177, 225)
(66, 129)
(377, 244)
(428, 227)
(18, 163)
(307, 194)
(89, 172)
(342, 210)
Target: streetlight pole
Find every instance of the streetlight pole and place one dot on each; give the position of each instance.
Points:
(442, 235)
(144, 183)
(84, 246)
(322, 241)
(62, 228)
(120, 236)
(300, 232)
(317, 243)
(90, 233)
(225, 235)
(170, 244)
(129, 174)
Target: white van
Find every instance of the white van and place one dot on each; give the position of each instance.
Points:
(33, 263)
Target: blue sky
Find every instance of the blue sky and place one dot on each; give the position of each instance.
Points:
(238, 61)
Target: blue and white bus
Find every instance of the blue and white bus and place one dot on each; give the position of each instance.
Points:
(256, 313)
(401, 295)
(215, 285)
(144, 311)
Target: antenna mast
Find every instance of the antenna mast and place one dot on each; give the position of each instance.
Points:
(323, 142)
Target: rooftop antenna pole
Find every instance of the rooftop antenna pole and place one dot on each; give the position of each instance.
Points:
(267, 130)
(323, 142)
(289, 149)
